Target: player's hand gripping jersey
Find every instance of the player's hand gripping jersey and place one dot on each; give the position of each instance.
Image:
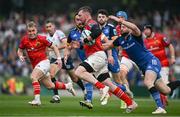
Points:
(94, 45)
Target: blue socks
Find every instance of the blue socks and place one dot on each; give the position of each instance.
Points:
(156, 96)
(89, 90)
(122, 87)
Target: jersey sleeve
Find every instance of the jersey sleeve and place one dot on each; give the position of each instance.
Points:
(165, 41)
(47, 42)
(61, 35)
(95, 31)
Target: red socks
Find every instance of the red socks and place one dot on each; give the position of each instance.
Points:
(164, 99)
(59, 85)
(36, 87)
(99, 85)
(123, 96)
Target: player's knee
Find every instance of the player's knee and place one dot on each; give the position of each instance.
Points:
(33, 79)
(49, 87)
(167, 91)
(123, 73)
(78, 71)
(148, 83)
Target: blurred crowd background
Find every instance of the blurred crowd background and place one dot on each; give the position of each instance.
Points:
(163, 15)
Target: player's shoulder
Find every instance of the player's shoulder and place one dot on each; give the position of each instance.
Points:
(24, 37)
(41, 36)
(92, 21)
(59, 32)
(110, 25)
(72, 30)
(159, 35)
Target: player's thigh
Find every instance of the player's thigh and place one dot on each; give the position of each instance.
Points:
(97, 61)
(72, 74)
(41, 69)
(125, 65)
(102, 74)
(37, 74)
(165, 74)
(54, 68)
(152, 71)
(150, 78)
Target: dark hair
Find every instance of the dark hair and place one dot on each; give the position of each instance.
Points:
(49, 21)
(103, 11)
(75, 15)
(31, 24)
(148, 26)
(86, 9)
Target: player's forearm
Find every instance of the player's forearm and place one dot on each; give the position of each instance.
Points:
(108, 45)
(172, 51)
(56, 51)
(67, 52)
(61, 47)
(20, 52)
(109, 52)
(132, 26)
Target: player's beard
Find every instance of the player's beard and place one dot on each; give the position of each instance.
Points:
(101, 22)
(80, 26)
(125, 34)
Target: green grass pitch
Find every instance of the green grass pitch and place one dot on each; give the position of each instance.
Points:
(69, 106)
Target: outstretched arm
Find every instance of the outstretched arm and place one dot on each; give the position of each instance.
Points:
(20, 54)
(172, 54)
(135, 30)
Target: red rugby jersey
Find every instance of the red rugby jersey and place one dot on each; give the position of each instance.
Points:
(157, 45)
(97, 46)
(36, 48)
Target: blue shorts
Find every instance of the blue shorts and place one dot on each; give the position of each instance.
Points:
(114, 68)
(153, 65)
(68, 66)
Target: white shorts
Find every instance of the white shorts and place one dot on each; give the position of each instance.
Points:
(126, 64)
(44, 66)
(98, 61)
(165, 74)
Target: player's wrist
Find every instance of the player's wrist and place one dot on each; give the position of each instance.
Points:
(58, 58)
(173, 56)
(21, 56)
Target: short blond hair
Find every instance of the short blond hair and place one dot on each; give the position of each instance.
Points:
(31, 24)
